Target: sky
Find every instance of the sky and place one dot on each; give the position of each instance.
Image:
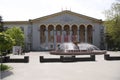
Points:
(18, 10)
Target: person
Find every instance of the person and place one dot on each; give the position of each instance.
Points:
(58, 47)
(22, 52)
(18, 51)
(76, 45)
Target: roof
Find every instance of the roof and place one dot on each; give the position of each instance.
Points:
(54, 15)
(68, 12)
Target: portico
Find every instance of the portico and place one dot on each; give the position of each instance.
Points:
(52, 35)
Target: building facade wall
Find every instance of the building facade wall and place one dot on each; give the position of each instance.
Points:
(32, 30)
(24, 28)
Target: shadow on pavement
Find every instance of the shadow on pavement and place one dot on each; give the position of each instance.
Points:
(5, 74)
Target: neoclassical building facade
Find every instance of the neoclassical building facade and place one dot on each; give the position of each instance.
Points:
(46, 33)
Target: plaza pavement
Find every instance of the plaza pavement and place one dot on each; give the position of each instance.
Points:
(34, 70)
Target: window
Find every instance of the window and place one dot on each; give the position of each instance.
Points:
(5, 28)
(22, 28)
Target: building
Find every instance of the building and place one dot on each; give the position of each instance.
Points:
(46, 33)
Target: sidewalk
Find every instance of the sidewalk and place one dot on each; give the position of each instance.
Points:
(34, 70)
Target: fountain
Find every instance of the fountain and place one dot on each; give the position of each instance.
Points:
(68, 52)
(77, 49)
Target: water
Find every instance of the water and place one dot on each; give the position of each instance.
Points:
(77, 49)
(79, 46)
(86, 46)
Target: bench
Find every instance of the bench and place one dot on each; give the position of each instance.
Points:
(62, 58)
(108, 57)
(7, 59)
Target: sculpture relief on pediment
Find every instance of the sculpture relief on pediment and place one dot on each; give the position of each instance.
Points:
(66, 19)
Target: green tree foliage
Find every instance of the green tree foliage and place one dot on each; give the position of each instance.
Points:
(4, 67)
(1, 25)
(17, 34)
(112, 24)
(6, 42)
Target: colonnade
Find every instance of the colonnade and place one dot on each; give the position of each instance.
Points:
(67, 33)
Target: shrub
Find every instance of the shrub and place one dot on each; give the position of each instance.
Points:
(4, 67)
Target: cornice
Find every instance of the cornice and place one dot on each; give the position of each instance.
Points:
(16, 22)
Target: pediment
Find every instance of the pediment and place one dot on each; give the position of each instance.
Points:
(66, 17)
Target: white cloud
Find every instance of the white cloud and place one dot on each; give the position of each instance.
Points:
(27, 9)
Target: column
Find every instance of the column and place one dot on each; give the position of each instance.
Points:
(78, 35)
(86, 34)
(46, 34)
(62, 36)
(54, 38)
(70, 36)
(93, 35)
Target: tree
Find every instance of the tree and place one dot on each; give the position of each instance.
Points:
(1, 25)
(17, 34)
(6, 42)
(112, 24)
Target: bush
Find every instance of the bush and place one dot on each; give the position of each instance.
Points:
(4, 67)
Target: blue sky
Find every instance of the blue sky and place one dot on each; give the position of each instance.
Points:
(17, 10)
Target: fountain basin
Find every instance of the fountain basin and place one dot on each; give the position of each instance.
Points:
(73, 52)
